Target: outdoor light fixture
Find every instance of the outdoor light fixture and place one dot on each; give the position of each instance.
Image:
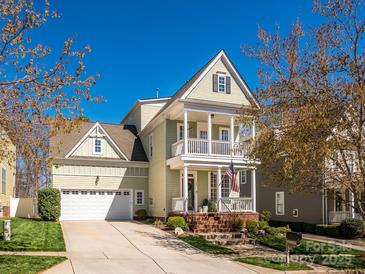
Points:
(97, 180)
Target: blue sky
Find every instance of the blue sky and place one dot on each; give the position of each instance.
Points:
(138, 46)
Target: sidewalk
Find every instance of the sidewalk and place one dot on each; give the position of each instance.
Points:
(349, 243)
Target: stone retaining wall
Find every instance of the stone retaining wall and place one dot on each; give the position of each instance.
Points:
(216, 222)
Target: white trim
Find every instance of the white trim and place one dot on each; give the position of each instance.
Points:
(225, 82)
(135, 196)
(195, 177)
(88, 134)
(220, 133)
(207, 69)
(276, 203)
(240, 177)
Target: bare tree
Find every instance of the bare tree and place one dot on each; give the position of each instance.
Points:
(312, 94)
(41, 91)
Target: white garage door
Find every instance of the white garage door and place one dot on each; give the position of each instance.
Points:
(96, 205)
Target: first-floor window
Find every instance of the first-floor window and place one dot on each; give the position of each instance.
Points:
(213, 186)
(139, 197)
(279, 202)
(243, 177)
(3, 180)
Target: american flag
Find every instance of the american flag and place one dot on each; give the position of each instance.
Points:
(233, 178)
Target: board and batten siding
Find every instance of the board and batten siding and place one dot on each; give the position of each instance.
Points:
(157, 170)
(110, 178)
(204, 89)
(86, 149)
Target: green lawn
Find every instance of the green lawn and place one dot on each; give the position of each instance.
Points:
(206, 246)
(306, 247)
(270, 263)
(33, 235)
(11, 264)
(340, 261)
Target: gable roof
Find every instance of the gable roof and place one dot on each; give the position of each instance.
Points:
(194, 80)
(124, 137)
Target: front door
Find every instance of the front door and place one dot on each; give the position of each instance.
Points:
(191, 193)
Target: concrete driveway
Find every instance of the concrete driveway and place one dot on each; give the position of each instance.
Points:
(127, 247)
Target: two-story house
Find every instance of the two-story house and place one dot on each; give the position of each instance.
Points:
(185, 145)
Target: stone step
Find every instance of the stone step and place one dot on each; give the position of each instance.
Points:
(227, 242)
(223, 236)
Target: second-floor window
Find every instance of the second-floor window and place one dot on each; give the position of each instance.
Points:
(180, 131)
(221, 83)
(224, 134)
(97, 146)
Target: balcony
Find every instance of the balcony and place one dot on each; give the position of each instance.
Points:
(218, 148)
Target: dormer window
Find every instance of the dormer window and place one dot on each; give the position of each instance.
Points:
(221, 83)
(97, 146)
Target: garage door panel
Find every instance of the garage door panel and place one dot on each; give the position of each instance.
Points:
(96, 205)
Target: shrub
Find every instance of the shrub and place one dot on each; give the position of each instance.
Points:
(141, 213)
(263, 225)
(49, 204)
(157, 222)
(295, 226)
(265, 215)
(176, 221)
(328, 230)
(205, 202)
(252, 226)
(276, 230)
(277, 242)
(352, 228)
(237, 224)
(212, 206)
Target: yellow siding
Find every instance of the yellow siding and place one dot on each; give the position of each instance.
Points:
(147, 113)
(204, 89)
(86, 149)
(10, 179)
(156, 178)
(172, 186)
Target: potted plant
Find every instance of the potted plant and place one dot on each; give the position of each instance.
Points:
(205, 205)
(212, 206)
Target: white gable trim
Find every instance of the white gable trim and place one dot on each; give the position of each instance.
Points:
(205, 72)
(88, 134)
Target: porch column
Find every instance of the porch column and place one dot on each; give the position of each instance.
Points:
(185, 188)
(185, 132)
(232, 134)
(196, 195)
(219, 189)
(352, 204)
(253, 189)
(253, 130)
(209, 133)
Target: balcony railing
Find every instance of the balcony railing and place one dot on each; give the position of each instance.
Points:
(236, 204)
(338, 216)
(201, 147)
(177, 204)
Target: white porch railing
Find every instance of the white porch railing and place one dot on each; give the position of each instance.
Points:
(238, 204)
(339, 216)
(201, 147)
(177, 204)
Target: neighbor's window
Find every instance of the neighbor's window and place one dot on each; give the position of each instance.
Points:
(221, 83)
(279, 201)
(139, 197)
(150, 142)
(3, 180)
(243, 177)
(97, 146)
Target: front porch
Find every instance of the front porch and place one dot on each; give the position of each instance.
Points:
(196, 185)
